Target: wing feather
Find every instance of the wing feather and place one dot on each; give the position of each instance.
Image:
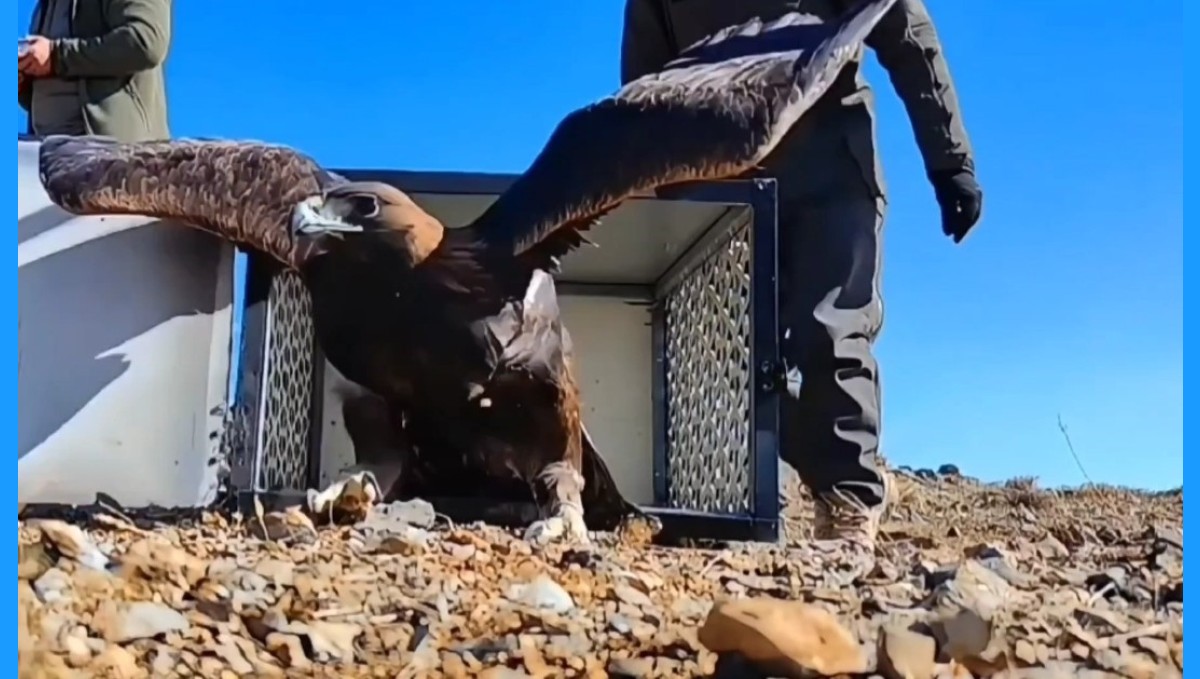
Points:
(243, 192)
(713, 113)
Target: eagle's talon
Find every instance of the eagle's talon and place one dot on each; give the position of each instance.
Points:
(347, 500)
(546, 530)
(577, 532)
(567, 526)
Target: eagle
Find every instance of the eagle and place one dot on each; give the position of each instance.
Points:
(457, 330)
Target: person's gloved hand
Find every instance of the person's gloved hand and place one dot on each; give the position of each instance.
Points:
(961, 201)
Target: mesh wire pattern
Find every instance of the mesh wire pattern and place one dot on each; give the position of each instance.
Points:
(282, 460)
(709, 380)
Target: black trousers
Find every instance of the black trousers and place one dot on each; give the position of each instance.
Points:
(831, 212)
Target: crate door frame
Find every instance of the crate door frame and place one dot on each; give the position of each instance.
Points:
(247, 412)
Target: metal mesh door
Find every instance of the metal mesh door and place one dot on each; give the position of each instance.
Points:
(709, 380)
(285, 425)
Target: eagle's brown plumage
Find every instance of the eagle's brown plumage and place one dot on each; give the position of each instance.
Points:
(241, 192)
(713, 113)
(458, 330)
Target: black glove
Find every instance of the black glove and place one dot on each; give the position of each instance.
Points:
(961, 201)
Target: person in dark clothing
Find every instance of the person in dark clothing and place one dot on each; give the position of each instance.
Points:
(831, 208)
(96, 67)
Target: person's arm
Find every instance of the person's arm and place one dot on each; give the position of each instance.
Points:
(139, 41)
(645, 44)
(907, 46)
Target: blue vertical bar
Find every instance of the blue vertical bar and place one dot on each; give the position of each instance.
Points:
(251, 347)
(236, 330)
(764, 359)
(1188, 240)
(14, 312)
(658, 397)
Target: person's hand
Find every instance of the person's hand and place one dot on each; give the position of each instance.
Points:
(961, 200)
(36, 62)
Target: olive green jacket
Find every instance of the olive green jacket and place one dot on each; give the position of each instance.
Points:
(117, 57)
(904, 42)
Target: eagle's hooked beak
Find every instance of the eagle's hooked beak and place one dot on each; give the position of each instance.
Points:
(312, 217)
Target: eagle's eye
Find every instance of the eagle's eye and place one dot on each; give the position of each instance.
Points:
(365, 205)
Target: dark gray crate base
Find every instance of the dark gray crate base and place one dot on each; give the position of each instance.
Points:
(142, 517)
(678, 526)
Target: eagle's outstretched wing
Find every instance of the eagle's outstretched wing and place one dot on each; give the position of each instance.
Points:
(713, 113)
(243, 192)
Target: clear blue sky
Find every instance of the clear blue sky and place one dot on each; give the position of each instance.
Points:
(1067, 298)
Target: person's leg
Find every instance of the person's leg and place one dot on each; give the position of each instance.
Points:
(830, 315)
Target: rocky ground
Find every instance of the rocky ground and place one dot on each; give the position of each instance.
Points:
(970, 580)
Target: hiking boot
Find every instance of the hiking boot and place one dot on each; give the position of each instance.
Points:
(842, 516)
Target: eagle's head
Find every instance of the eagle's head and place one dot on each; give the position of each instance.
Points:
(368, 214)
